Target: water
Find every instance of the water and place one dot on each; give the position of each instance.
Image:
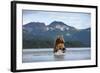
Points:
(43, 55)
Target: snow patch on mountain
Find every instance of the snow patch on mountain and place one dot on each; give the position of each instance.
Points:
(68, 34)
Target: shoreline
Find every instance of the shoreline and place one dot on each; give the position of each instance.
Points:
(51, 49)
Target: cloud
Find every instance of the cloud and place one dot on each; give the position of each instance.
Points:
(75, 19)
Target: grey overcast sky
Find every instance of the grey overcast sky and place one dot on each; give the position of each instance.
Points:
(75, 19)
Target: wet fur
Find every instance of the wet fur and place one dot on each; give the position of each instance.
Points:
(59, 45)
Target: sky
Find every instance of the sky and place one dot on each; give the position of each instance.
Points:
(75, 19)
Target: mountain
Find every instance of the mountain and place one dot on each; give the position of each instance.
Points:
(40, 29)
(83, 35)
(35, 26)
(60, 26)
(33, 29)
(46, 34)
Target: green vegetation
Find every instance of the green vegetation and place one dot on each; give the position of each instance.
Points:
(37, 43)
(74, 44)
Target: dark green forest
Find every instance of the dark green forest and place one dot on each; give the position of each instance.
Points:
(36, 43)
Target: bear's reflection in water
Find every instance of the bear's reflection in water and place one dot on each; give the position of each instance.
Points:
(58, 57)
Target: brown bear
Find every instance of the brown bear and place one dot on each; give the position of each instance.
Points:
(59, 44)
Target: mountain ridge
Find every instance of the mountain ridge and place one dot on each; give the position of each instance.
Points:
(41, 32)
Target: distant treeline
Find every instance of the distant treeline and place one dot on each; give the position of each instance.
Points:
(37, 43)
